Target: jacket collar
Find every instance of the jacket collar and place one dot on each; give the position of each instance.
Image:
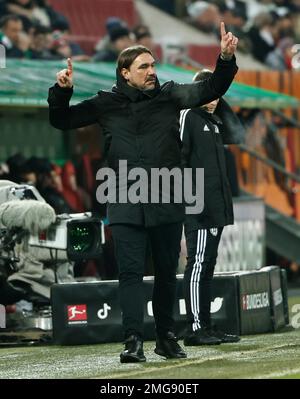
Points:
(233, 132)
(214, 118)
(131, 92)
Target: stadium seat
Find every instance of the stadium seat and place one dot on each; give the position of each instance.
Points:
(205, 55)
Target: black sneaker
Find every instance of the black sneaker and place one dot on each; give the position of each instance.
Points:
(223, 336)
(133, 351)
(168, 347)
(201, 336)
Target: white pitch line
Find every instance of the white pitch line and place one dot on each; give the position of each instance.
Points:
(193, 361)
(279, 374)
(180, 363)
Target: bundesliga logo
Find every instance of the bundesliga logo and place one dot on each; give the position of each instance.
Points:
(77, 314)
(255, 301)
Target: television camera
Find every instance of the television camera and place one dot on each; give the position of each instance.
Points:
(25, 216)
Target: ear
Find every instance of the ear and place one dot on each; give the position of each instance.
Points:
(125, 73)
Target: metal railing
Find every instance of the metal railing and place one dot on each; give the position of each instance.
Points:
(269, 162)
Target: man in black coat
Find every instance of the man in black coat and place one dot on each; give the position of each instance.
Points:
(140, 121)
(204, 131)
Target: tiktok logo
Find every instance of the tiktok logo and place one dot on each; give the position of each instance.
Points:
(103, 312)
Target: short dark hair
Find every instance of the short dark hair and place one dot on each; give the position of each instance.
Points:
(10, 17)
(127, 56)
(117, 32)
(202, 75)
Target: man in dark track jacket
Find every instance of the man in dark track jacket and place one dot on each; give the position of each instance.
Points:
(140, 121)
(204, 131)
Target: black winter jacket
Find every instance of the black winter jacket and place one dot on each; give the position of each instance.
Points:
(203, 136)
(141, 127)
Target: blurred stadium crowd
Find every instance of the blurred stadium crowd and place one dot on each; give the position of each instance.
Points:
(33, 29)
(267, 29)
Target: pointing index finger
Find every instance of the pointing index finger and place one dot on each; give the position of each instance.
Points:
(70, 66)
(222, 29)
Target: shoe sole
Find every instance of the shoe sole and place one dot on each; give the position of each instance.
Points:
(132, 359)
(201, 343)
(161, 353)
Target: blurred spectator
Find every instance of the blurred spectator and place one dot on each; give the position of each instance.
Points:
(110, 24)
(16, 166)
(281, 58)
(39, 48)
(285, 23)
(204, 16)
(272, 37)
(291, 5)
(29, 12)
(46, 184)
(10, 36)
(119, 39)
(32, 12)
(62, 48)
(263, 35)
(56, 175)
(62, 30)
(54, 16)
(261, 26)
(144, 38)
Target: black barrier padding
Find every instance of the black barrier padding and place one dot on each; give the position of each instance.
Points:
(276, 297)
(103, 318)
(224, 305)
(241, 304)
(225, 299)
(97, 296)
(255, 302)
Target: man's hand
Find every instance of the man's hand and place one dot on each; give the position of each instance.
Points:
(228, 43)
(65, 77)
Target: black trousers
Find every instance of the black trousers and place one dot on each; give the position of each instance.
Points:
(130, 243)
(202, 251)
